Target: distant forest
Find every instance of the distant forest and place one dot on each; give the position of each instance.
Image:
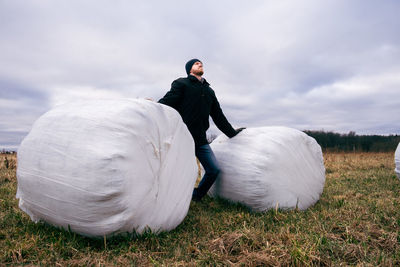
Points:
(330, 141)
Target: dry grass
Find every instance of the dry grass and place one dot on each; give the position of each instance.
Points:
(356, 222)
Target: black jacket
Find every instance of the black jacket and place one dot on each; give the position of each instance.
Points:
(196, 101)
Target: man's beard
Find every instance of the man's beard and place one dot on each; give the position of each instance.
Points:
(198, 72)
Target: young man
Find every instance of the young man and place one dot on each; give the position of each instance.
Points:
(195, 101)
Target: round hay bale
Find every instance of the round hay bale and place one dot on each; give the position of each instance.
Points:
(397, 161)
(269, 167)
(102, 167)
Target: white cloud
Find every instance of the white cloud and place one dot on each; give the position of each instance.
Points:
(62, 95)
(359, 103)
(373, 87)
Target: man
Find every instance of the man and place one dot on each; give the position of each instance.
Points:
(195, 101)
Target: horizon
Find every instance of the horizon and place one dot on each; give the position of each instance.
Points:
(209, 135)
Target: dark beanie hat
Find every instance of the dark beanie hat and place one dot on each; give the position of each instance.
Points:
(189, 64)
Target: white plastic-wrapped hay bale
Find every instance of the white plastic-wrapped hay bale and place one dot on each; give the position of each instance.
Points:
(101, 167)
(397, 161)
(269, 167)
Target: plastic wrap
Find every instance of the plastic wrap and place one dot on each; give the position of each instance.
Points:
(269, 167)
(397, 161)
(101, 167)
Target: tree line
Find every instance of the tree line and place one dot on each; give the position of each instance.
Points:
(330, 141)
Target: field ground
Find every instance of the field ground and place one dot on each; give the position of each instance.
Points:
(356, 222)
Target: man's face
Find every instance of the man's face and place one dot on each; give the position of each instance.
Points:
(197, 68)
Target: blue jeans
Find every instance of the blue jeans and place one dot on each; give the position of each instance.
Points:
(207, 159)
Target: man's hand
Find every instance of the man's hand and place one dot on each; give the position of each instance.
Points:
(238, 130)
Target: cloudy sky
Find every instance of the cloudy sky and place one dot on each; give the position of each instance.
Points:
(330, 65)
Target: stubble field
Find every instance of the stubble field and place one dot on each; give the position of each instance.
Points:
(356, 222)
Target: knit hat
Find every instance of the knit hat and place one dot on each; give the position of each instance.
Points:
(189, 64)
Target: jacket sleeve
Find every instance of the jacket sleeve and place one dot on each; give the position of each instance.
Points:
(173, 96)
(220, 120)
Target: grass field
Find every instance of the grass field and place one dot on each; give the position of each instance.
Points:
(356, 222)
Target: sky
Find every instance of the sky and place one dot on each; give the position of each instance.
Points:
(331, 65)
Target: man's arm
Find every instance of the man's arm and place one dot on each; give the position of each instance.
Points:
(220, 120)
(173, 96)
